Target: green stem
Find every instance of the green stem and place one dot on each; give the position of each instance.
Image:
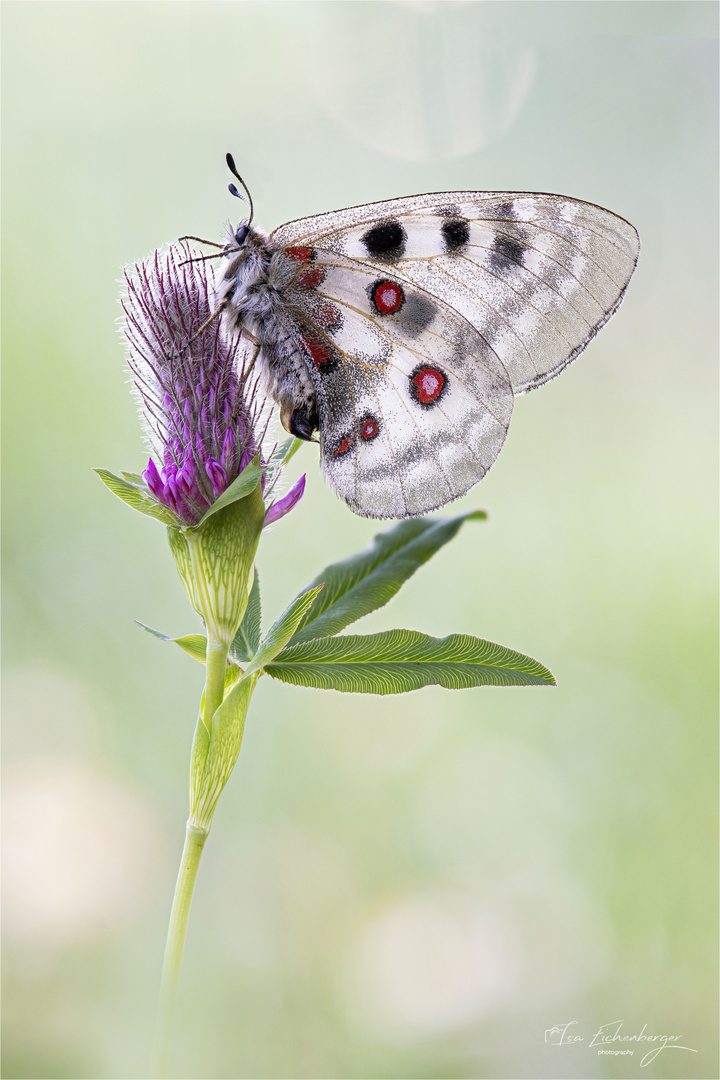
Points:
(215, 671)
(194, 842)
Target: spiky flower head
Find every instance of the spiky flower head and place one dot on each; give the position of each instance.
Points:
(199, 403)
(205, 419)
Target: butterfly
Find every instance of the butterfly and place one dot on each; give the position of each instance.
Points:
(403, 330)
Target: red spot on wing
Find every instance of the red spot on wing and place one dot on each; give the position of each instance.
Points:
(319, 352)
(300, 254)
(311, 278)
(369, 428)
(328, 316)
(344, 446)
(429, 383)
(387, 296)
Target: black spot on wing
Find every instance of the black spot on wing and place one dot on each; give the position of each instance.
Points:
(506, 210)
(506, 254)
(455, 233)
(385, 241)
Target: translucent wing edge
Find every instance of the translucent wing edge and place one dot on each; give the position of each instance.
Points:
(314, 227)
(541, 380)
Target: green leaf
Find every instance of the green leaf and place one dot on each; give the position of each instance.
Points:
(400, 660)
(279, 458)
(137, 496)
(215, 753)
(194, 645)
(369, 579)
(221, 551)
(183, 562)
(282, 630)
(285, 451)
(247, 639)
(241, 486)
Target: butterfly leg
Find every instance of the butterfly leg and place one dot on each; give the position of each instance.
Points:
(210, 318)
(251, 337)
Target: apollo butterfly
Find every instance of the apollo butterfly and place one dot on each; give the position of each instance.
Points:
(403, 330)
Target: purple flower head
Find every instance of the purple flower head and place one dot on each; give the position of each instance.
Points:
(199, 399)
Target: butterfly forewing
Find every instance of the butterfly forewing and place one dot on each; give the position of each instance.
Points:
(537, 275)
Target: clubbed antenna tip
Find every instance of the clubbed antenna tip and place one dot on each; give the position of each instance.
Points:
(234, 191)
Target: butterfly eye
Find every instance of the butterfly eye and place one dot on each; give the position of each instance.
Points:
(241, 234)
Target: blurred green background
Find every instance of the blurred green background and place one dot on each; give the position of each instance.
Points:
(405, 887)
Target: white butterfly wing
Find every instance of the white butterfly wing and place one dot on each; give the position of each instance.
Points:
(537, 275)
(414, 404)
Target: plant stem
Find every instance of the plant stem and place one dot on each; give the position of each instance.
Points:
(215, 670)
(194, 842)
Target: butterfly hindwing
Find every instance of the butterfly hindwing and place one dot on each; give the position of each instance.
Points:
(537, 275)
(413, 403)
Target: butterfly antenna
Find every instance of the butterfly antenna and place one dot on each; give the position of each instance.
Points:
(234, 191)
(200, 240)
